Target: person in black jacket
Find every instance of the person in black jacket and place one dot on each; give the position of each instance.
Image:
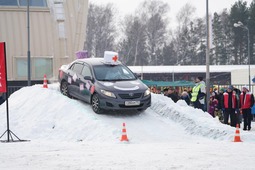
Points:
(230, 104)
(172, 95)
(185, 96)
(219, 110)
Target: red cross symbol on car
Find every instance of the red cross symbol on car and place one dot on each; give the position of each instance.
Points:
(115, 58)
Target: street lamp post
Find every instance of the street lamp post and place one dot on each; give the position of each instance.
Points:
(207, 58)
(28, 47)
(240, 24)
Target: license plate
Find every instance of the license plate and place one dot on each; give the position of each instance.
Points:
(132, 103)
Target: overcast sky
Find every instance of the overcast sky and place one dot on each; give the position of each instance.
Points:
(129, 6)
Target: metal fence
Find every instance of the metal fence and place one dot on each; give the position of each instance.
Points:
(11, 89)
(238, 86)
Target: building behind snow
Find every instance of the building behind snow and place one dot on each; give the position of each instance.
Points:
(219, 74)
(57, 31)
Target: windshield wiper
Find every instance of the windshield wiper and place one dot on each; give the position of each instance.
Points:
(117, 79)
(103, 80)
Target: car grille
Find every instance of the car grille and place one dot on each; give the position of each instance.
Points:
(130, 95)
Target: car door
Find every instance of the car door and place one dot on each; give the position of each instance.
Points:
(85, 85)
(74, 75)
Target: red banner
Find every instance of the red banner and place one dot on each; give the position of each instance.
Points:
(2, 68)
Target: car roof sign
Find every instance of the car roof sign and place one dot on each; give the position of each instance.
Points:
(111, 57)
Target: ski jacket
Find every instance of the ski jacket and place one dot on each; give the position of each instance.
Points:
(198, 92)
(232, 103)
(246, 100)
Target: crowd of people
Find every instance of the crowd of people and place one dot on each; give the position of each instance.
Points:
(231, 105)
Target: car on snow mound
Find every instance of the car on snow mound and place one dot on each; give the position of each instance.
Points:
(105, 83)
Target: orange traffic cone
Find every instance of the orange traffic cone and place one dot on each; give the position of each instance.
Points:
(45, 85)
(237, 135)
(124, 134)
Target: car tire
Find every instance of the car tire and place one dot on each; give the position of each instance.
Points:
(95, 103)
(64, 89)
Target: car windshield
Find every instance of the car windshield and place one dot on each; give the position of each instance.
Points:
(113, 73)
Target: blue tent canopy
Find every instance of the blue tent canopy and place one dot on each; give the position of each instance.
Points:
(169, 83)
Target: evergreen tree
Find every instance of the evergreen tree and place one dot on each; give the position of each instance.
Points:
(251, 26)
(199, 42)
(153, 13)
(239, 12)
(220, 38)
(225, 57)
(90, 31)
(169, 54)
(191, 44)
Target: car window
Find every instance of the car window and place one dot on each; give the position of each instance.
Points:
(113, 72)
(77, 67)
(86, 71)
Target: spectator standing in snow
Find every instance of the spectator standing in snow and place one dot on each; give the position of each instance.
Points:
(198, 94)
(189, 92)
(219, 111)
(230, 105)
(215, 93)
(246, 103)
(212, 106)
(238, 114)
(238, 92)
(185, 96)
(172, 95)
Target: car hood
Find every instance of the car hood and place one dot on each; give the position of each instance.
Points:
(133, 85)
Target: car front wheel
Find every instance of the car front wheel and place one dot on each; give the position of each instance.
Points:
(64, 89)
(95, 103)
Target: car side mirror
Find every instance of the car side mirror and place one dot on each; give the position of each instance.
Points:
(138, 75)
(88, 78)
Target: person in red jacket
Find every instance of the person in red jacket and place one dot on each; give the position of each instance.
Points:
(230, 105)
(246, 103)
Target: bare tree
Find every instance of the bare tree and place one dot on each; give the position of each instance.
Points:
(153, 14)
(184, 18)
(133, 44)
(101, 29)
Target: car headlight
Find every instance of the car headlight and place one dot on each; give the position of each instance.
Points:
(107, 93)
(147, 92)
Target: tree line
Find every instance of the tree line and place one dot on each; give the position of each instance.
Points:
(144, 38)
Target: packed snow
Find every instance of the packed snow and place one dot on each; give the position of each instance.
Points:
(65, 134)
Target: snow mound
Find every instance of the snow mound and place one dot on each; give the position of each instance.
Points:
(45, 114)
(195, 121)
(39, 113)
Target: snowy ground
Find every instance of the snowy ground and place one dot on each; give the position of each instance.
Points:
(66, 134)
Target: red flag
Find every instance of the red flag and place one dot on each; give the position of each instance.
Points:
(2, 68)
